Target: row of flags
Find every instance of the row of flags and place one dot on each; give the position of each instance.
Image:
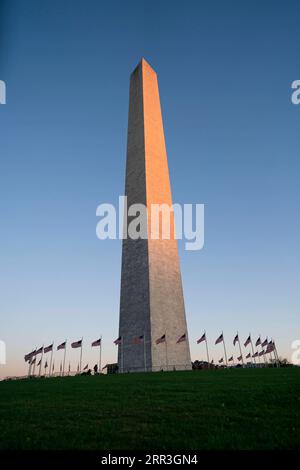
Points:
(267, 347)
(75, 345)
(248, 341)
(31, 357)
(140, 339)
(249, 355)
(270, 344)
(53, 365)
(162, 339)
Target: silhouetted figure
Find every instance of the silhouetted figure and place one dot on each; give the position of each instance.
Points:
(95, 369)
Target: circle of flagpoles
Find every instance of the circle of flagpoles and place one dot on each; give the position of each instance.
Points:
(262, 353)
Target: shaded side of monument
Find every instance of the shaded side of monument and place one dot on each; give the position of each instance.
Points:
(151, 302)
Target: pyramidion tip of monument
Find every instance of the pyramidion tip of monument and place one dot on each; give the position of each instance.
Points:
(143, 63)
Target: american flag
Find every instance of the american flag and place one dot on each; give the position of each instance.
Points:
(220, 339)
(97, 342)
(118, 340)
(39, 363)
(248, 356)
(181, 339)
(255, 354)
(258, 342)
(61, 346)
(230, 359)
(248, 341)
(48, 348)
(29, 356)
(262, 353)
(236, 338)
(162, 339)
(203, 338)
(270, 347)
(240, 358)
(46, 365)
(138, 339)
(33, 361)
(86, 367)
(265, 343)
(39, 351)
(221, 360)
(76, 344)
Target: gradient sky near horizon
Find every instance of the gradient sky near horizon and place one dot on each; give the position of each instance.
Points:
(225, 71)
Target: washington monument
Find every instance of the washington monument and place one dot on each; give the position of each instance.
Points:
(152, 331)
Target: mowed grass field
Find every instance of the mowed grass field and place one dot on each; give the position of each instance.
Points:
(218, 409)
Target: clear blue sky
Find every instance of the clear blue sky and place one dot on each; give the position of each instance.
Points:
(225, 71)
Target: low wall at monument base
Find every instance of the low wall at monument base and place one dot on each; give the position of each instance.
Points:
(162, 368)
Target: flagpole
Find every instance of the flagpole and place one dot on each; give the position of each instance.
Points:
(145, 364)
(275, 362)
(240, 347)
(51, 359)
(273, 351)
(275, 354)
(256, 345)
(267, 357)
(278, 361)
(271, 358)
(41, 361)
(206, 348)
(224, 350)
(258, 356)
(252, 348)
(100, 354)
(80, 355)
(63, 372)
(264, 358)
(167, 364)
(33, 373)
(29, 368)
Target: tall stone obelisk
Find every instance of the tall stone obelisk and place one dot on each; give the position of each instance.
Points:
(151, 303)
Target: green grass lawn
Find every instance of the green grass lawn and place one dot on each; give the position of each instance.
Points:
(218, 409)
